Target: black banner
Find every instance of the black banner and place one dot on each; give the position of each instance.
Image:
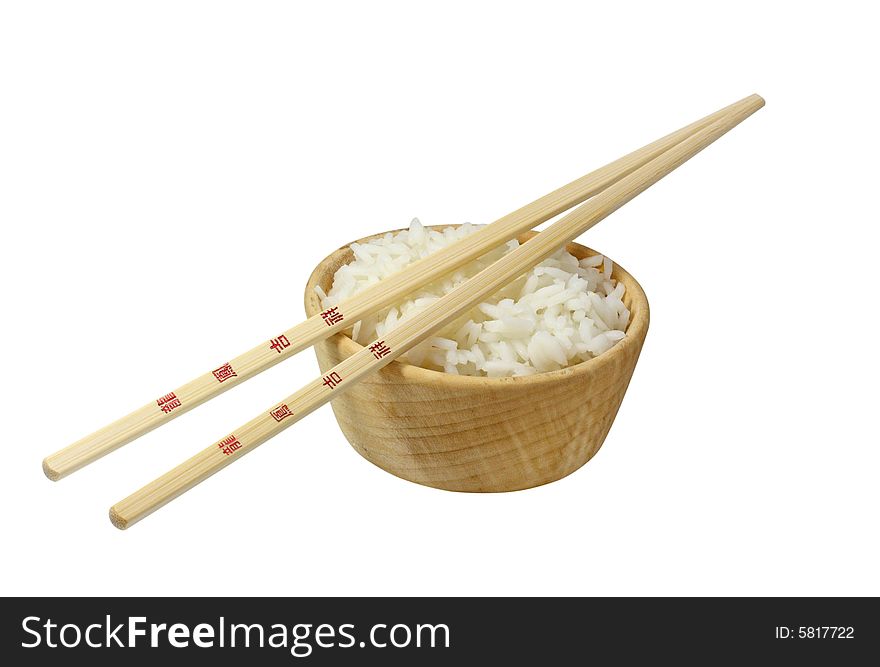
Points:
(324, 631)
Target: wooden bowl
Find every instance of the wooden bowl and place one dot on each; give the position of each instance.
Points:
(480, 434)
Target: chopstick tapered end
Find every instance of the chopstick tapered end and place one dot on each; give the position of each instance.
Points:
(50, 472)
(117, 519)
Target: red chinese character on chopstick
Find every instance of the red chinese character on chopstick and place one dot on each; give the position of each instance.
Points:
(229, 444)
(279, 343)
(224, 373)
(281, 412)
(332, 316)
(168, 402)
(332, 380)
(380, 349)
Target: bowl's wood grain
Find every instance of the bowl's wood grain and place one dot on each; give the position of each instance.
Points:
(482, 434)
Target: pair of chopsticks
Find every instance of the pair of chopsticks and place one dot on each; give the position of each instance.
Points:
(607, 189)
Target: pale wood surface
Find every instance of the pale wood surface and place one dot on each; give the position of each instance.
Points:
(391, 290)
(410, 332)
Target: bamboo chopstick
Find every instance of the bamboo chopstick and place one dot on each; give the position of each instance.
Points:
(389, 291)
(422, 325)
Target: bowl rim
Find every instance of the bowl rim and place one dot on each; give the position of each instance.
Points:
(635, 331)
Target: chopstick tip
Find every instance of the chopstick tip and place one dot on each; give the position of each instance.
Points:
(50, 472)
(117, 519)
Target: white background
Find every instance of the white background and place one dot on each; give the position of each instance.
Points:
(170, 172)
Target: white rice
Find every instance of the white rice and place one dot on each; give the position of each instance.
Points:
(560, 313)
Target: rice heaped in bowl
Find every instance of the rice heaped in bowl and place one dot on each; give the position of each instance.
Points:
(562, 312)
